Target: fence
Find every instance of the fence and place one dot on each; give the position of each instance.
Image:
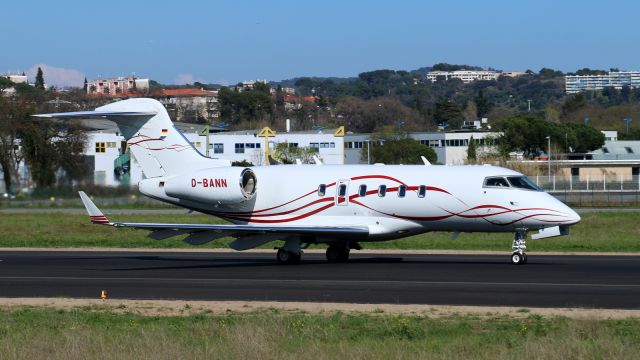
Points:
(601, 190)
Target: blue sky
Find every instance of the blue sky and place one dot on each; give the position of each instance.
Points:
(229, 41)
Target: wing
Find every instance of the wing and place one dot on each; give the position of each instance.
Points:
(201, 233)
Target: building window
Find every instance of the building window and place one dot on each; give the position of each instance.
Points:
(382, 190)
(314, 145)
(293, 145)
(239, 148)
(111, 145)
(322, 189)
(332, 145)
(257, 145)
(324, 145)
(250, 145)
(422, 191)
(218, 148)
(101, 147)
(362, 191)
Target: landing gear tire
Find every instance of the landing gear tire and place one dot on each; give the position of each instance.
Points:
(338, 253)
(287, 258)
(517, 258)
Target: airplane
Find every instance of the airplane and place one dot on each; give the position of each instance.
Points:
(341, 206)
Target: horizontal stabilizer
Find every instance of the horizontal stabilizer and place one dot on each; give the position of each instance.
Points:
(94, 114)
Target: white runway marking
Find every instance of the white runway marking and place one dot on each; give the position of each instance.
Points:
(319, 281)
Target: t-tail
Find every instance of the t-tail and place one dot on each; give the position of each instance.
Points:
(159, 148)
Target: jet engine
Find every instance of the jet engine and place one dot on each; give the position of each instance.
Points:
(230, 185)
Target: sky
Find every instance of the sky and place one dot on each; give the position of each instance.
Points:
(229, 41)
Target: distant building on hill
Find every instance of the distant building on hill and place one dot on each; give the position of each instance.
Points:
(16, 79)
(466, 76)
(117, 86)
(617, 79)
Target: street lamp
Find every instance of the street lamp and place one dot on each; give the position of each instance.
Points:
(627, 121)
(549, 156)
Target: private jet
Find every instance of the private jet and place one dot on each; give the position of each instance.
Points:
(341, 206)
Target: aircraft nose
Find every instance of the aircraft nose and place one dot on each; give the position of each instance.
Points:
(575, 217)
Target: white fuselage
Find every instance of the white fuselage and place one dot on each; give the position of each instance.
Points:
(456, 198)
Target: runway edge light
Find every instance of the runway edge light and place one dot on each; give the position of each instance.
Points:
(103, 294)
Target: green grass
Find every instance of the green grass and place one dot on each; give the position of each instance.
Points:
(606, 231)
(91, 333)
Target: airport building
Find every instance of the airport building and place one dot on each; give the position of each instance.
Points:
(618, 79)
(450, 147)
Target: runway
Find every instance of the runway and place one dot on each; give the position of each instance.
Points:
(546, 281)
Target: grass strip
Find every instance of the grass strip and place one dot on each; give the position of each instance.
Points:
(598, 232)
(92, 333)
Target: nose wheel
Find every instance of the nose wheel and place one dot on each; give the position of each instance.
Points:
(519, 257)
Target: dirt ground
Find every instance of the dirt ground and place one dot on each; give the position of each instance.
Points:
(185, 308)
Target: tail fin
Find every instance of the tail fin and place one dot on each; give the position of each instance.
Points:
(154, 142)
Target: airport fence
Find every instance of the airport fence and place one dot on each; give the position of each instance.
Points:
(601, 190)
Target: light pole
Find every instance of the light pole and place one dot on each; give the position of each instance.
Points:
(369, 152)
(627, 121)
(549, 156)
(529, 102)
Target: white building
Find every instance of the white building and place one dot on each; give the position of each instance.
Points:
(450, 147)
(16, 79)
(246, 145)
(466, 76)
(618, 79)
(113, 166)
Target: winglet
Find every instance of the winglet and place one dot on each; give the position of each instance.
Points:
(425, 161)
(96, 216)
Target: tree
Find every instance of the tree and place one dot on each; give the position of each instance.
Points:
(39, 79)
(471, 151)
(447, 111)
(13, 112)
(5, 83)
(390, 147)
(482, 104)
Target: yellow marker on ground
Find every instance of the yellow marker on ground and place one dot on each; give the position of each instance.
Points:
(266, 133)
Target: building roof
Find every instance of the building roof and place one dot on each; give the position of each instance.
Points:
(188, 92)
(618, 150)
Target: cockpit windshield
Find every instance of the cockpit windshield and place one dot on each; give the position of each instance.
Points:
(523, 182)
(497, 181)
(518, 182)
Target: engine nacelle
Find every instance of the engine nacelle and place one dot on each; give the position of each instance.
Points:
(229, 185)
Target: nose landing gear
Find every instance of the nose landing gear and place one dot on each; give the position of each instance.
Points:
(519, 257)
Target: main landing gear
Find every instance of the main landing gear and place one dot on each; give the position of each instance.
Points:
(290, 253)
(338, 253)
(286, 257)
(519, 257)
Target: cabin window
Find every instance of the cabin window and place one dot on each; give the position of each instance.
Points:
(382, 190)
(342, 190)
(402, 190)
(497, 181)
(322, 189)
(422, 191)
(523, 182)
(362, 191)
